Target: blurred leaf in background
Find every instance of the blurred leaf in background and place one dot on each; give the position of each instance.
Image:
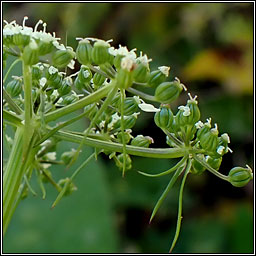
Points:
(209, 46)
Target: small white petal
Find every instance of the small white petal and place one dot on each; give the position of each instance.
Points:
(148, 107)
(165, 70)
(220, 150)
(199, 124)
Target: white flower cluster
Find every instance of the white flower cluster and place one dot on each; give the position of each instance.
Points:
(13, 28)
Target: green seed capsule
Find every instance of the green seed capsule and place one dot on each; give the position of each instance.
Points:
(61, 58)
(30, 54)
(91, 110)
(130, 106)
(120, 162)
(85, 74)
(100, 53)
(167, 92)
(141, 73)
(117, 61)
(156, 77)
(142, 141)
(239, 176)
(14, 87)
(36, 73)
(78, 84)
(124, 78)
(209, 141)
(98, 80)
(196, 167)
(45, 47)
(66, 157)
(65, 87)
(214, 162)
(69, 99)
(164, 118)
(56, 82)
(127, 137)
(21, 40)
(129, 122)
(71, 187)
(84, 52)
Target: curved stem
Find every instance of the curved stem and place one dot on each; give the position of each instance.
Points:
(132, 150)
(209, 168)
(95, 118)
(179, 164)
(142, 94)
(10, 68)
(11, 118)
(122, 129)
(167, 189)
(63, 190)
(173, 138)
(180, 205)
(99, 94)
(28, 127)
(12, 105)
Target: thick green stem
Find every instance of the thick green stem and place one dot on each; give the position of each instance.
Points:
(13, 174)
(132, 150)
(29, 129)
(94, 97)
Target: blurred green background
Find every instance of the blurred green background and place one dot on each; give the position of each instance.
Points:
(209, 46)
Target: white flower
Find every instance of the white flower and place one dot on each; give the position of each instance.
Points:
(42, 81)
(148, 107)
(71, 64)
(199, 124)
(127, 63)
(220, 150)
(55, 93)
(185, 109)
(51, 156)
(215, 130)
(122, 50)
(52, 70)
(165, 70)
(225, 137)
(144, 59)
